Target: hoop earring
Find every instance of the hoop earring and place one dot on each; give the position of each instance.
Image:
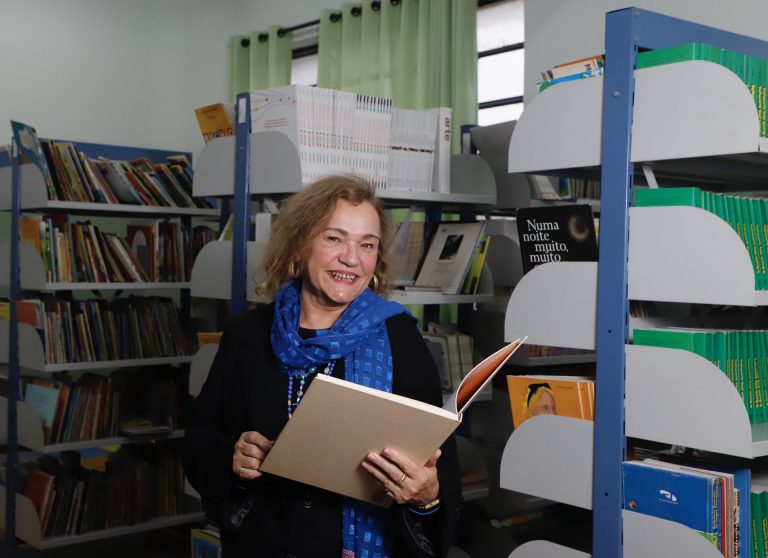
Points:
(295, 273)
(375, 282)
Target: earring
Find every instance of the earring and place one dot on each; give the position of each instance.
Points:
(375, 282)
(292, 269)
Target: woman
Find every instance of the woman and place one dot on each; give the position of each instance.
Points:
(326, 257)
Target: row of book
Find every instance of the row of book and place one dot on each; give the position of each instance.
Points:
(146, 400)
(741, 354)
(752, 70)
(101, 330)
(747, 216)
(78, 251)
(71, 175)
(137, 483)
(341, 132)
(534, 395)
(716, 503)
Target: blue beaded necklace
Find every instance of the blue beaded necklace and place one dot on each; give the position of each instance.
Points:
(303, 375)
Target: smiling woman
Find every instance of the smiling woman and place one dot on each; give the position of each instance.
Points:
(325, 265)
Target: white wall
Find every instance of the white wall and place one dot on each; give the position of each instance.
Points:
(561, 30)
(125, 72)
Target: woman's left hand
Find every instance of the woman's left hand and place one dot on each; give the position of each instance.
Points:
(405, 481)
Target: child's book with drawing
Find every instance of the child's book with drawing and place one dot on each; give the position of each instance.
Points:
(338, 423)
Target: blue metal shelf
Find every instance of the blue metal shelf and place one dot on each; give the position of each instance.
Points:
(626, 32)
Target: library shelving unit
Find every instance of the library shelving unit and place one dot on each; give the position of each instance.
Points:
(22, 189)
(608, 125)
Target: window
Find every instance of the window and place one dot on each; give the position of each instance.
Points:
(500, 39)
(500, 36)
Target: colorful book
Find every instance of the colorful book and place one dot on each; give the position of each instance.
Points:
(567, 396)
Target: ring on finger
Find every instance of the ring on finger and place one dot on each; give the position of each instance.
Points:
(402, 480)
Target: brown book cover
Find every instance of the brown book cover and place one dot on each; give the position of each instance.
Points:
(338, 423)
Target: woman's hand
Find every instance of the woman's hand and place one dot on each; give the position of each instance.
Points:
(405, 481)
(250, 450)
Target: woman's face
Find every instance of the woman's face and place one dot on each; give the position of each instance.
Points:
(545, 405)
(343, 257)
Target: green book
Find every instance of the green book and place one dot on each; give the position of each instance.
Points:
(757, 531)
(669, 55)
(761, 338)
(654, 197)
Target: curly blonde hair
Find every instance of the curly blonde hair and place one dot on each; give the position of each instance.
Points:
(304, 215)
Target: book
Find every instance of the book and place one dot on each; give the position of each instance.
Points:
(450, 253)
(338, 423)
(216, 120)
(556, 234)
(693, 499)
(472, 281)
(31, 151)
(205, 543)
(567, 396)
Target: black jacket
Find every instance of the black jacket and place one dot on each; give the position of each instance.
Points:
(246, 391)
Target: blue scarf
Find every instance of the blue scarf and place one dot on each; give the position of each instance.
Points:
(360, 337)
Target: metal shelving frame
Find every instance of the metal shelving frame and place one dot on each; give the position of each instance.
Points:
(14, 369)
(627, 31)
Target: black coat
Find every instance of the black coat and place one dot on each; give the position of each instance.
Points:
(246, 391)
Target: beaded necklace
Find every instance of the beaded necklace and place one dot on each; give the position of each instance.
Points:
(302, 378)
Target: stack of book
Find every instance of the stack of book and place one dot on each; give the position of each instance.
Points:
(567, 396)
(342, 132)
(747, 216)
(99, 330)
(741, 354)
(752, 70)
(712, 502)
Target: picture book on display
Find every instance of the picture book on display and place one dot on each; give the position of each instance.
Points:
(567, 396)
(338, 423)
(449, 256)
(556, 234)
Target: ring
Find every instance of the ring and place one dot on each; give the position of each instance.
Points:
(402, 480)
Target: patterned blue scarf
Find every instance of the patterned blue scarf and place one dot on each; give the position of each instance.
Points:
(359, 336)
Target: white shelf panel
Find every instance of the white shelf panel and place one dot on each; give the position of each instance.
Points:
(32, 354)
(521, 358)
(546, 549)
(687, 254)
(35, 196)
(201, 365)
(426, 297)
(275, 169)
(33, 275)
(714, 420)
(30, 432)
(555, 304)
(646, 536)
(668, 123)
(212, 270)
(532, 462)
(28, 525)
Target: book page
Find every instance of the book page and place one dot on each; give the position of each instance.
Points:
(479, 376)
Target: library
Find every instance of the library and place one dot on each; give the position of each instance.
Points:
(205, 207)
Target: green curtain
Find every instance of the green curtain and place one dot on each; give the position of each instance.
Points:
(420, 53)
(260, 64)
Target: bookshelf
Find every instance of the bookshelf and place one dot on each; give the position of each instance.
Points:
(601, 130)
(22, 189)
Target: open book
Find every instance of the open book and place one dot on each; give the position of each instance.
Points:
(338, 423)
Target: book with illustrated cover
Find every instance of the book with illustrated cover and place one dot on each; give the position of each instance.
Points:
(449, 256)
(338, 423)
(567, 396)
(216, 120)
(556, 234)
(31, 151)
